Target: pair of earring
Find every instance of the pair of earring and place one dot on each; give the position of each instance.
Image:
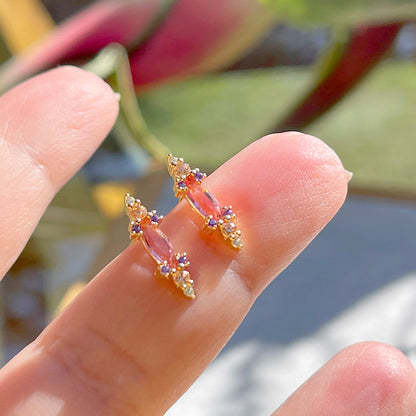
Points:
(144, 224)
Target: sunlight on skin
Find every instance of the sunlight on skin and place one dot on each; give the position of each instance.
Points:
(46, 403)
(129, 344)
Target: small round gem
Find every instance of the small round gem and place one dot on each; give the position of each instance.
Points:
(129, 200)
(155, 218)
(227, 213)
(181, 185)
(184, 169)
(135, 228)
(229, 228)
(212, 223)
(140, 212)
(237, 243)
(182, 278)
(182, 260)
(165, 269)
(189, 292)
(198, 176)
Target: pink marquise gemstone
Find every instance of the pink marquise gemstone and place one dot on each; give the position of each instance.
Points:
(203, 201)
(158, 245)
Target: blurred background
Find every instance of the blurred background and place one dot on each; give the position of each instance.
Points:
(203, 79)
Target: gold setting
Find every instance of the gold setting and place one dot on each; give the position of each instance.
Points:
(144, 226)
(188, 185)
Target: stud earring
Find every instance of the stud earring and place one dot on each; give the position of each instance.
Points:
(188, 186)
(144, 226)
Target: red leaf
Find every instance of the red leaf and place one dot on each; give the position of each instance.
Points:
(198, 31)
(83, 35)
(196, 36)
(367, 46)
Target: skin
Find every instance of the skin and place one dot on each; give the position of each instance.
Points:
(131, 344)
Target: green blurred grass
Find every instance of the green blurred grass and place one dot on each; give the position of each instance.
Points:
(374, 128)
(207, 120)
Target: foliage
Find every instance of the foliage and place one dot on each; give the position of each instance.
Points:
(372, 129)
(343, 12)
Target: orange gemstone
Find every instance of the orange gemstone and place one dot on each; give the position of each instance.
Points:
(158, 245)
(203, 201)
(140, 212)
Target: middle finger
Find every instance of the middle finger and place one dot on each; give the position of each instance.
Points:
(136, 343)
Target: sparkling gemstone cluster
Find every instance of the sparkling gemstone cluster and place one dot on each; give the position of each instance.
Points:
(188, 185)
(144, 226)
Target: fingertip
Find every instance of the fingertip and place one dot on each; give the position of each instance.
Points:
(86, 103)
(365, 379)
(302, 150)
(59, 118)
(291, 161)
(310, 173)
(86, 91)
(374, 379)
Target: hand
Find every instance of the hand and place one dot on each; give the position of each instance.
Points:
(130, 346)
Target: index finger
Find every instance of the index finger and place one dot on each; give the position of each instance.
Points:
(49, 127)
(130, 344)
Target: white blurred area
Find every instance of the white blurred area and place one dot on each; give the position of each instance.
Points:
(356, 282)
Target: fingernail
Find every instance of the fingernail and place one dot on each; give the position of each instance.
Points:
(348, 175)
(118, 96)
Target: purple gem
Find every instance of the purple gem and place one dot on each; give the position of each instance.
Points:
(181, 185)
(198, 176)
(227, 212)
(182, 260)
(212, 222)
(155, 218)
(136, 228)
(165, 269)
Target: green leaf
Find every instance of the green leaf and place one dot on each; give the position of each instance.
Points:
(343, 12)
(112, 64)
(372, 129)
(209, 119)
(69, 215)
